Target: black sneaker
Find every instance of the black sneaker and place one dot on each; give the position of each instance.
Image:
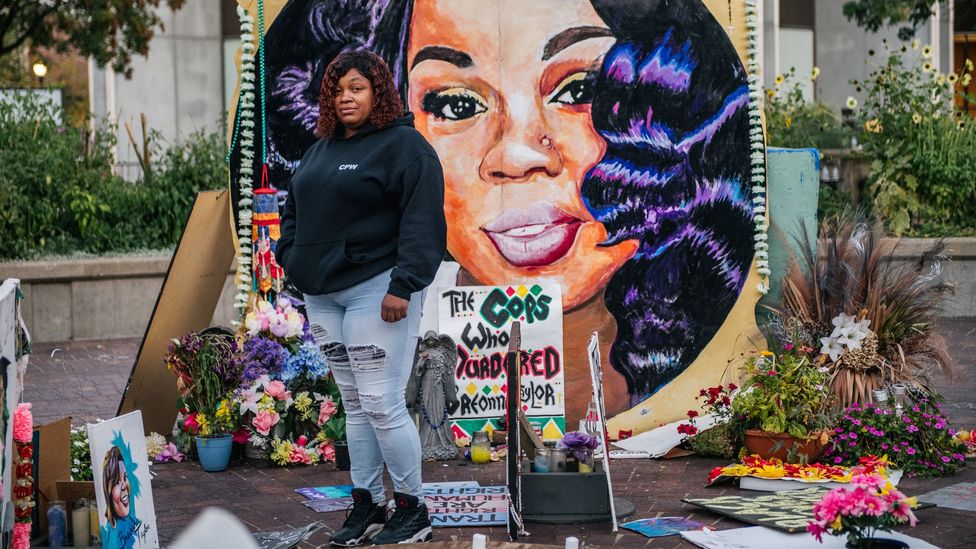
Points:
(363, 523)
(409, 524)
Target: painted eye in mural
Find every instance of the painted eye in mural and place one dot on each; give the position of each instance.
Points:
(453, 104)
(575, 89)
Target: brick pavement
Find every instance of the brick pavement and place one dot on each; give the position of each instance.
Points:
(90, 380)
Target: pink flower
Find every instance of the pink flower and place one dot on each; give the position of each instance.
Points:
(327, 409)
(327, 451)
(170, 453)
(21, 536)
(241, 436)
(299, 455)
(23, 423)
(190, 424)
(265, 420)
(276, 389)
(302, 440)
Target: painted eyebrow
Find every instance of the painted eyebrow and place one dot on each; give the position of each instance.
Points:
(571, 36)
(442, 53)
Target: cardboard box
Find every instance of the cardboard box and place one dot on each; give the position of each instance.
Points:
(69, 491)
(53, 457)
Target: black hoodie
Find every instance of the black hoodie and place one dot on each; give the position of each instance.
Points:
(358, 206)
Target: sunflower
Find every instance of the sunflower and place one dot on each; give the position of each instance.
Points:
(873, 126)
(927, 67)
(952, 78)
(915, 44)
(927, 52)
(770, 93)
(779, 79)
(917, 118)
(851, 103)
(814, 73)
(969, 64)
(940, 79)
(966, 78)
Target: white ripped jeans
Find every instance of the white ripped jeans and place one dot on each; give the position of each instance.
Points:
(371, 361)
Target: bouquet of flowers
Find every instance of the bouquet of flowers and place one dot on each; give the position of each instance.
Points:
(160, 450)
(81, 466)
(281, 321)
(207, 373)
(869, 504)
(920, 441)
(294, 411)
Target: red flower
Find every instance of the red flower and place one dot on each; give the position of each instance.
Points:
(726, 401)
(702, 393)
(241, 436)
(692, 414)
(733, 386)
(771, 372)
(714, 391)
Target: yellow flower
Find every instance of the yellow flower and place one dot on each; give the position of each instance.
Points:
(303, 402)
(266, 403)
(969, 64)
(911, 502)
(789, 121)
(737, 470)
(281, 451)
(927, 67)
(779, 79)
(916, 118)
(770, 93)
(766, 353)
(836, 524)
(814, 73)
(851, 103)
(873, 126)
(927, 52)
(965, 80)
(206, 429)
(915, 44)
(223, 412)
(952, 78)
(940, 79)
(770, 471)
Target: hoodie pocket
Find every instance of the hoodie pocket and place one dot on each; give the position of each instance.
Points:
(312, 265)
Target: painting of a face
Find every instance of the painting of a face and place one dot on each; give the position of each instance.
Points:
(509, 115)
(120, 492)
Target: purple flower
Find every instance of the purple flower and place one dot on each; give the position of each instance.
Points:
(576, 442)
(926, 416)
(853, 443)
(856, 422)
(944, 459)
(910, 451)
(839, 430)
(912, 429)
(853, 435)
(838, 459)
(884, 445)
(261, 357)
(916, 409)
(904, 443)
(958, 457)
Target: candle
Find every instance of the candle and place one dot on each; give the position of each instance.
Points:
(557, 460)
(541, 461)
(57, 525)
(80, 530)
(572, 543)
(96, 533)
(479, 541)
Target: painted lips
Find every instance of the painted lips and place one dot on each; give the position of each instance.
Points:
(533, 237)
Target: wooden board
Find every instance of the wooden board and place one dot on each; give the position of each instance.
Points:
(186, 303)
(788, 511)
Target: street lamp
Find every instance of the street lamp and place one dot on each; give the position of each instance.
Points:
(40, 71)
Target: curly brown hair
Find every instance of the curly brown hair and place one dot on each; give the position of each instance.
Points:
(387, 105)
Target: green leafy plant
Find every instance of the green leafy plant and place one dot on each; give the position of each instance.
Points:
(793, 122)
(81, 466)
(874, 14)
(923, 168)
(783, 393)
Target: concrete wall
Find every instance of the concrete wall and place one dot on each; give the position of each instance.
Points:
(179, 85)
(97, 298)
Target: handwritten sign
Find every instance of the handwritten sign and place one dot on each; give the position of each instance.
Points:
(789, 510)
(471, 506)
(479, 318)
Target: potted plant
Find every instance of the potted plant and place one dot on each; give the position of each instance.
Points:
(870, 503)
(782, 406)
(917, 440)
(724, 438)
(207, 375)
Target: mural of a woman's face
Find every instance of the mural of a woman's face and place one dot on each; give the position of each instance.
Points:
(120, 493)
(503, 95)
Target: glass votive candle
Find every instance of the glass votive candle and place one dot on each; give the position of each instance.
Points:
(557, 460)
(480, 448)
(541, 463)
(880, 398)
(585, 458)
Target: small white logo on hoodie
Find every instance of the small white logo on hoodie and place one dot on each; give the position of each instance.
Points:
(348, 167)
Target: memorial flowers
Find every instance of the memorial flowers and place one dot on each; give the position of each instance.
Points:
(759, 467)
(81, 466)
(721, 440)
(870, 504)
(920, 441)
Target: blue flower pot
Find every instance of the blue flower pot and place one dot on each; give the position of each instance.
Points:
(214, 452)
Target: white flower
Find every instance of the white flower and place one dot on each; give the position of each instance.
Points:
(155, 444)
(842, 319)
(831, 347)
(851, 103)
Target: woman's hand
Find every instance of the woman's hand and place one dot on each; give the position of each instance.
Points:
(394, 309)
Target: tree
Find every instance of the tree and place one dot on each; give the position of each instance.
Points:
(109, 31)
(874, 14)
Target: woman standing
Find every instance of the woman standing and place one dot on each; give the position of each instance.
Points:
(363, 232)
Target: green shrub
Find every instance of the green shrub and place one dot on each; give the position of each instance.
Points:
(59, 195)
(792, 122)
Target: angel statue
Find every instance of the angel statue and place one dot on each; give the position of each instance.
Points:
(431, 394)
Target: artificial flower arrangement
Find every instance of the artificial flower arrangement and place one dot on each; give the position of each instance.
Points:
(288, 401)
(871, 320)
(759, 467)
(966, 440)
(919, 441)
(725, 437)
(23, 475)
(870, 503)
